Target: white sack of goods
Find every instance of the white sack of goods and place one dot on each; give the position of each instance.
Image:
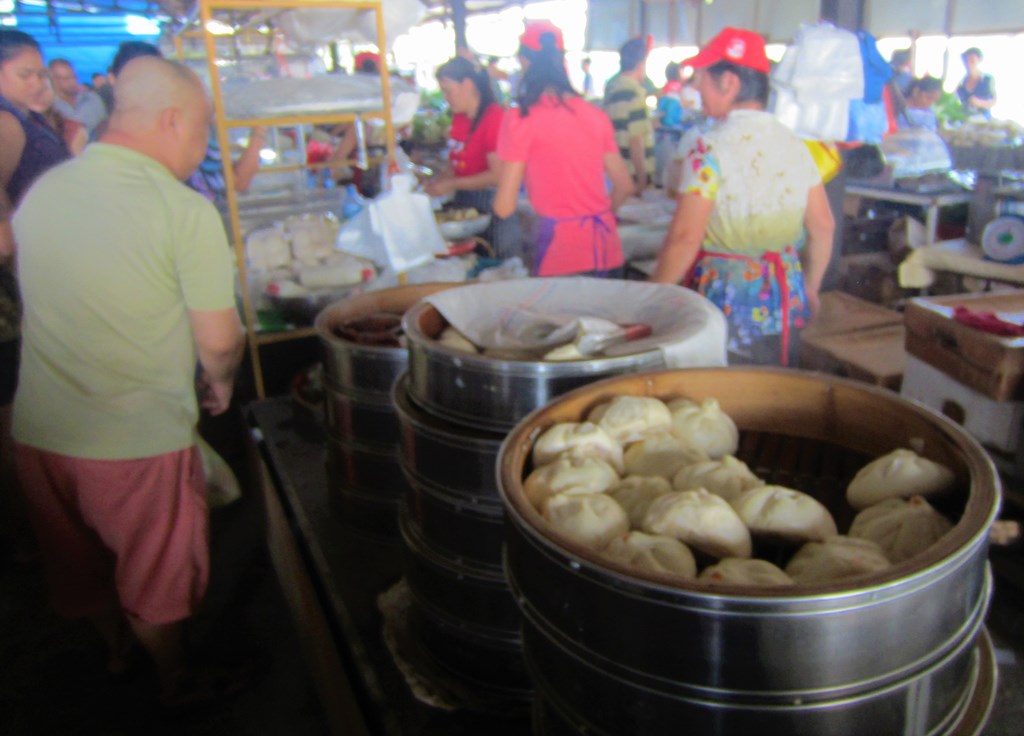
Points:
(835, 559)
(727, 477)
(628, 418)
(268, 248)
(635, 494)
(659, 453)
(591, 519)
(782, 513)
(752, 572)
(701, 520)
(900, 474)
(578, 439)
(652, 553)
(704, 427)
(901, 528)
(569, 475)
(452, 338)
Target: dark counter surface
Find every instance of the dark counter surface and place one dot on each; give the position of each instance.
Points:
(351, 569)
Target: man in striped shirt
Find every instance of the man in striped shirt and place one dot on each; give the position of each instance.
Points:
(625, 101)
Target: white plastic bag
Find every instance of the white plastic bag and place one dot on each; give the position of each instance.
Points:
(397, 230)
(818, 121)
(823, 64)
(915, 152)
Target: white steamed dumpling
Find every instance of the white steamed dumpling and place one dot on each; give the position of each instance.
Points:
(452, 338)
(901, 528)
(569, 475)
(727, 476)
(704, 427)
(592, 519)
(659, 453)
(701, 520)
(785, 514)
(635, 494)
(738, 571)
(629, 418)
(579, 439)
(836, 558)
(653, 553)
(900, 474)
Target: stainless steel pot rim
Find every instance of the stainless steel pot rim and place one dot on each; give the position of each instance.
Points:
(376, 453)
(847, 692)
(428, 424)
(462, 568)
(955, 548)
(370, 398)
(496, 638)
(481, 506)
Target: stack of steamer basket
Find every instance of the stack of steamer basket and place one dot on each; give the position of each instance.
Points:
(455, 409)
(364, 481)
(613, 650)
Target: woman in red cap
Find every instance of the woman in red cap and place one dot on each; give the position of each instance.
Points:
(472, 173)
(562, 148)
(752, 230)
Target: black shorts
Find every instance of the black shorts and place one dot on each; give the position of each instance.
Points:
(9, 354)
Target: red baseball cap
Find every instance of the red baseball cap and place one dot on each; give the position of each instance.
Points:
(740, 46)
(535, 29)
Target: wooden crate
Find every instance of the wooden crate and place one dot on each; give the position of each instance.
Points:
(876, 354)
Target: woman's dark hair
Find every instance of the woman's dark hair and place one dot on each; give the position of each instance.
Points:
(129, 50)
(459, 69)
(926, 85)
(672, 72)
(12, 41)
(632, 53)
(545, 72)
(754, 85)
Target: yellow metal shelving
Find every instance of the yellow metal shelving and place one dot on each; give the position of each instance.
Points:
(215, 9)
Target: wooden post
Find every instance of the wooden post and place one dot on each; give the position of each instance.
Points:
(459, 15)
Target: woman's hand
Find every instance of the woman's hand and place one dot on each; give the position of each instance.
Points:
(440, 186)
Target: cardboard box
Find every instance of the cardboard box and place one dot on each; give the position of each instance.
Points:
(842, 312)
(989, 364)
(874, 354)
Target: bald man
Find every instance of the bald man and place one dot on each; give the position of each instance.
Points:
(123, 292)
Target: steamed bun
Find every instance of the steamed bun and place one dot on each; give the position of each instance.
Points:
(592, 519)
(579, 440)
(704, 426)
(635, 494)
(452, 338)
(835, 559)
(653, 553)
(735, 571)
(727, 477)
(569, 475)
(702, 520)
(659, 453)
(784, 513)
(629, 418)
(901, 528)
(900, 474)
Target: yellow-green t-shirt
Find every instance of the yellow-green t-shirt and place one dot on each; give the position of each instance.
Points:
(113, 252)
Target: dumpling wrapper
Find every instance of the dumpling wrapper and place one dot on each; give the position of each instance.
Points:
(569, 351)
(704, 427)
(701, 520)
(579, 439)
(659, 453)
(653, 553)
(900, 474)
(452, 338)
(635, 494)
(901, 528)
(569, 475)
(591, 519)
(785, 514)
(727, 476)
(835, 559)
(629, 418)
(753, 572)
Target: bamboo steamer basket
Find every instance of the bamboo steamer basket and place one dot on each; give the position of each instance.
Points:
(613, 650)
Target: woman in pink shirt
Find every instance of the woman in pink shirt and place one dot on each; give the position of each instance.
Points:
(564, 149)
(472, 149)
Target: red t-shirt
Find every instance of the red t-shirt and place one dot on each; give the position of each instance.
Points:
(467, 150)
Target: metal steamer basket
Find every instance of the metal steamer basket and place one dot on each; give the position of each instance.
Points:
(490, 393)
(365, 482)
(615, 651)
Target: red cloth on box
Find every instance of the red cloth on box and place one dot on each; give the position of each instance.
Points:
(987, 322)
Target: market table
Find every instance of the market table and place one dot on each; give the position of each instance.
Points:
(931, 202)
(954, 256)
